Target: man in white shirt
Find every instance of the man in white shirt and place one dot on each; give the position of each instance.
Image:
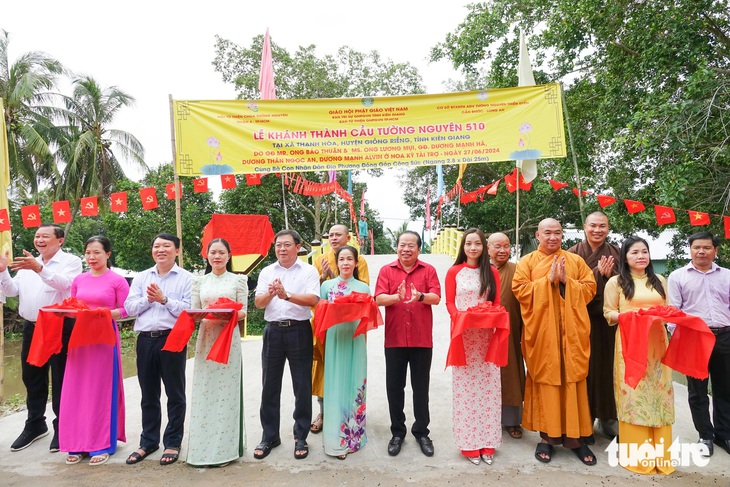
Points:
(157, 296)
(41, 281)
(286, 289)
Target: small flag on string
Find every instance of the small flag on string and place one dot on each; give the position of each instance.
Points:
(119, 202)
(664, 215)
(697, 218)
(61, 212)
(634, 206)
(31, 216)
(149, 198)
(89, 206)
(605, 201)
(228, 181)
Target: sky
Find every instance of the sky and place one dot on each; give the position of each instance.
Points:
(153, 49)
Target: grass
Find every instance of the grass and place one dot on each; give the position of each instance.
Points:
(12, 404)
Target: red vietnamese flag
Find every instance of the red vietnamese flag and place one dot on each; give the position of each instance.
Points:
(511, 182)
(228, 181)
(524, 186)
(4, 220)
(61, 212)
(582, 193)
(634, 206)
(170, 190)
(664, 215)
(255, 180)
(89, 206)
(200, 185)
(605, 201)
(119, 201)
(726, 222)
(149, 198)
(31, 216)
(557, 184)
(697, 218)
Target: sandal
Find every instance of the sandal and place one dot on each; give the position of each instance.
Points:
(545, 449)
(170, 458)
(73, 459)
(582, 452)
(265, 448)
(316, 426)
(515, 432)
(341, 457)
(136, 457)
(301, 446)
(101, 459)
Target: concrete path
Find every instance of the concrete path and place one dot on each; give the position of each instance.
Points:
(514, 461)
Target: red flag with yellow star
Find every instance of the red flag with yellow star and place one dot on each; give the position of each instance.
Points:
(697, 218)
(228, 181)
(4, 220)
(61, 211)
(634, 206)
(119, 202)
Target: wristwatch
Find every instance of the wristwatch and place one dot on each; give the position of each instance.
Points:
(288, 296)
(421, 297)
(164, 301)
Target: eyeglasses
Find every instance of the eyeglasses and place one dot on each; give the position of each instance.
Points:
(283, 246)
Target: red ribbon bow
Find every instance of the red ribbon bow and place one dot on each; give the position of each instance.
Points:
(353, 307)
(92, 327)
(483, 315)
(689, 348)
(185, 326)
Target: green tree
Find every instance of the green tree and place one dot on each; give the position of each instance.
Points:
(132, 232)
(647, 90)
(25, 86)
(302, 75)
(90, 151)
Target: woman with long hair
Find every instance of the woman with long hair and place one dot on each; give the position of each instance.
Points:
(92, 397)
(345, 366)
(477, 387)
(217, 429)
(646, 413)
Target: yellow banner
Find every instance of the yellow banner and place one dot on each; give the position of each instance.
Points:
(263, 136)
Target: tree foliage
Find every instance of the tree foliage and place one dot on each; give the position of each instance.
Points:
(647, 92)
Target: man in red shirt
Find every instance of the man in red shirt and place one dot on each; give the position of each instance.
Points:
(408, 288)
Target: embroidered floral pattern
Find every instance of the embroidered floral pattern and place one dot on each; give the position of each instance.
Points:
(352, 430)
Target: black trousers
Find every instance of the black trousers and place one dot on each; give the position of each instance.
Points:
(699, 401)
(293, 343)
(153, 366)
(397, 361)
(35, 378)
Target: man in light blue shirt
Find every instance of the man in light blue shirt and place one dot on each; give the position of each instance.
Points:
(702, 288)
(157, 296)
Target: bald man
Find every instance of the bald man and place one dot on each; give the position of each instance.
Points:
(326, 265)
(513, 375)
(554, 287)
(602, 258)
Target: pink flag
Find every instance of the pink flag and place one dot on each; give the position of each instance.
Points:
(428, 208)
(362, 203)
(266, 76)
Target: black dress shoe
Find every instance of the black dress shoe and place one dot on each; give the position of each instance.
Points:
(54, 448)
(708, 444)
(394, 445)
(426, 445)
(724, 444)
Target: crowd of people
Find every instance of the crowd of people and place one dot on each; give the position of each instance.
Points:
(534, 345)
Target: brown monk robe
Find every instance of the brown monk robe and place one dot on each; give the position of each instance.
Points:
(602, 258)
(513, 374)
(553, 288)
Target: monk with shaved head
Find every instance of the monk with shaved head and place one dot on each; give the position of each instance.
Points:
(513, 374)
(553, 288)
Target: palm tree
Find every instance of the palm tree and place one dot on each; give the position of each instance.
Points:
(25, 89)
(89, 150)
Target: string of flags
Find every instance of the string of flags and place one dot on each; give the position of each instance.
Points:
(664, 215)
(118, 201)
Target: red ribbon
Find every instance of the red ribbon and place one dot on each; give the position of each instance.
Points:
(353, 307)
(185, 326)
(689, 348)
(483, 315)
(92, 327)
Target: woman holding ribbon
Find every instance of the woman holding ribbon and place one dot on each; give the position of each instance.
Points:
(646, 411)
(345, 373)
(217, 429)
(477, 389)
(93, 387)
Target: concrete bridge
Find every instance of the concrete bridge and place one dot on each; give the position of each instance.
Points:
(514, 462)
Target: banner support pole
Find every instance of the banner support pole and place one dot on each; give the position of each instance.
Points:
(178, 217)
(575, 160)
